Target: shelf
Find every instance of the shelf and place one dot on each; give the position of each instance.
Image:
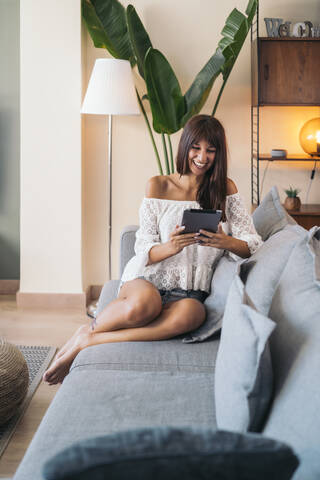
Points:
(295, 157)
(290, 39)
(306, 209)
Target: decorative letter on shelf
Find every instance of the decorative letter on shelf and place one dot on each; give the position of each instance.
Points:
(299, 30)
(272, 26)
(284, 29)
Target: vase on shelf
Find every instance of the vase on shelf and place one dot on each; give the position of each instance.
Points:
(292, 202)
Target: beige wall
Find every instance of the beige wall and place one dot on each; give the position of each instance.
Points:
(187, 32)
(63, 157)
(50, 146)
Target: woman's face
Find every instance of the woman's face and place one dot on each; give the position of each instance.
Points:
(201, 157)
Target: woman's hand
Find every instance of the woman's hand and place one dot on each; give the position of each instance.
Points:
(217, 240)
(223, 241)
(179, 240)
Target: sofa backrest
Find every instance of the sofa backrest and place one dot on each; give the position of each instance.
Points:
(127, 241)
(295, 350)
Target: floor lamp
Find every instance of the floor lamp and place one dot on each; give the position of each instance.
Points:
(110, 92)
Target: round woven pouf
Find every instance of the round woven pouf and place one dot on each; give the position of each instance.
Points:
(14, 380)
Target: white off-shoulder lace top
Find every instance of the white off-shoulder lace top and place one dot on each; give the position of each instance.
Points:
(192, 268)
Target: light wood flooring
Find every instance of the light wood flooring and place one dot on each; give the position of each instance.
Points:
(33, 327)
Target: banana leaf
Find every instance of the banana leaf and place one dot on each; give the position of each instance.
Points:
(164, 93)
(94, 26)
(234, 34)
(197, 94)
(139, 38)
(106, 22)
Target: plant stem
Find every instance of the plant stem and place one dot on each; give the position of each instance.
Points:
(171, 154)
(219, 96)
(151, 134)
(165, 153)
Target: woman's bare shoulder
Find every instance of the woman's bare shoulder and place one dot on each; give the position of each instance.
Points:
(157, 187)
(231, 187)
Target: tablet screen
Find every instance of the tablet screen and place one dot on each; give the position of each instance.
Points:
(196, 219)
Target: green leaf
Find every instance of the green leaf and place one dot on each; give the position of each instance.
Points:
(94, 26)
(108, 16)
(139, 38)
(198, 93)
(164, 92)
(234, 34)
(251, 10)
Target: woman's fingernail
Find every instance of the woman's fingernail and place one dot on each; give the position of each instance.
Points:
(183, 227)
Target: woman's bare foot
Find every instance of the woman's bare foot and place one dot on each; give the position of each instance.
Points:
(70, 342)
(62, 363)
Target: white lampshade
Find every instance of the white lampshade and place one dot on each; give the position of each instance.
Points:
(111, 89)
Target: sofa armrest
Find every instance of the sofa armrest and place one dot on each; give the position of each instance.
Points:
(127, 241)
(108, 293)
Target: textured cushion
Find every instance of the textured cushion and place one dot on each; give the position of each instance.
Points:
(295, 349)
(216, 301)
(270, 216)
(174, 454)
(243, 381)
(261, 272)
(14, 380)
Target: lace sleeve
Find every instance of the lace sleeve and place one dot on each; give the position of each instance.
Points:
(147, 235)
(240, 223)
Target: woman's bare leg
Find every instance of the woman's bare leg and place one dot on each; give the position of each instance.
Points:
(176, 318)
(137, 304)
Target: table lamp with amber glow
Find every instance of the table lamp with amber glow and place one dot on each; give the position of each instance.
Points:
(310, 137)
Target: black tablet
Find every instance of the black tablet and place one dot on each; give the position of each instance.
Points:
(196, 219)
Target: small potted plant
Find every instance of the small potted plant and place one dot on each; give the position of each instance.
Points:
(292, 202)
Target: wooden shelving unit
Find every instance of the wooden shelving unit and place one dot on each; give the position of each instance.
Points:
(285, 71)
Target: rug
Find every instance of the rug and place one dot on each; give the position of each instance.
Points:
(38, 359)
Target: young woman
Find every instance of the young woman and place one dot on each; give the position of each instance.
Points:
(164, 285)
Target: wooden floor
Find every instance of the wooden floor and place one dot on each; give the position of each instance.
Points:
(30, 327)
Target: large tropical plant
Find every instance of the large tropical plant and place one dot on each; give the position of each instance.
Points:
(122, 33)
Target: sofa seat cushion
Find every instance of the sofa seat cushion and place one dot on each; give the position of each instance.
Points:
(104, 393)
(295, 349)
(161, 356)
(174, 454)
(92, 403)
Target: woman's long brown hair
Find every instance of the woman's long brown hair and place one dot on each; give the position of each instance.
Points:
(212, 191)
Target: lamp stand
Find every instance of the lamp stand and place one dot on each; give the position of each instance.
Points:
(92, 307)
(110, 190)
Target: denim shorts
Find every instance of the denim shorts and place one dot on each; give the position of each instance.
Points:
(178, 294)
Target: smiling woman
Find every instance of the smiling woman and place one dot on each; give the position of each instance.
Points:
(164, 285)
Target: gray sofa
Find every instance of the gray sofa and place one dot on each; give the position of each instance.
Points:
(122, 386)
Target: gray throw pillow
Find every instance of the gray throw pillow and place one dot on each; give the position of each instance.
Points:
(270, 216)
(215, 303)
(243, 378)
(168, 453)
(261, 272)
